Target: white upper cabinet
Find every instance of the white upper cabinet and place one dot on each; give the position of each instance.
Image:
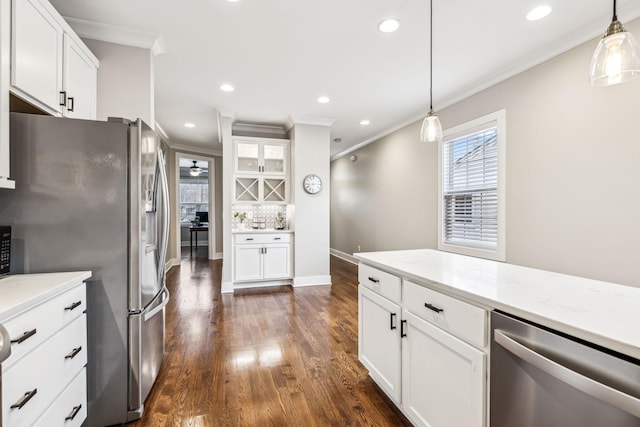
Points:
(260, 170)
(79, 81)
(51, 67)
(261, 156)
(5, 48)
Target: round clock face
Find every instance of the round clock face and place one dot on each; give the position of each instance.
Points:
(312, 184)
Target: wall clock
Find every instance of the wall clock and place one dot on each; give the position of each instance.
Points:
(312, 184)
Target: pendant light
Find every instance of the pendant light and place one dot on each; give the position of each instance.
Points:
(195, 169)
(431, 129)
(617, 57)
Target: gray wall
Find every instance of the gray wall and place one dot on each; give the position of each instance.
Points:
(573, 175)
(125, 81)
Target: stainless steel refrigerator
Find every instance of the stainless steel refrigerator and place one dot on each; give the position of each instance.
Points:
(93, 196)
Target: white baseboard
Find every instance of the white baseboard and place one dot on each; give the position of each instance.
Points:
(299, 282)
(343, 255)
(217, 255)
(252, 285)
(171, 263)
(226, 287)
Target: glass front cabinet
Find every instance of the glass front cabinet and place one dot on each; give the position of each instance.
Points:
(260, 170)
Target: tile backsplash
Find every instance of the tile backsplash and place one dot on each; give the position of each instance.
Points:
(258, 213)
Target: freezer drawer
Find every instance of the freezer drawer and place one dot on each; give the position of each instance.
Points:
(146, 351)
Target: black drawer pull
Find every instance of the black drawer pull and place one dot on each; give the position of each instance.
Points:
(23, 401)
(63, 98)
(70, 100)
(277, 238)
(392, 324)
(402, 332)
(74, 306)
(24, 337)
(73, 353)
(249, 238)
(73, 413)
(433, 308)
(374, 280)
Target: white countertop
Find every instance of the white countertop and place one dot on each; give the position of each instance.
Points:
(259, 231)
(603, 313)
(21, 291)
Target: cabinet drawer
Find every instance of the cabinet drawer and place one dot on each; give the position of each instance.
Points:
(41, 322)
(44, 372)
(380, 282)
(262, 238)
(460, 318)
(70, 408)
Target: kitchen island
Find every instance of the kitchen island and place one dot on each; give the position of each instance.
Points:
(428, 338)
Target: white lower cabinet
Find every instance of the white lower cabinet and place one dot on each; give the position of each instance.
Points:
(379, 340)
(427, 351)
(45, 375)
(443, 378)
(262, 257)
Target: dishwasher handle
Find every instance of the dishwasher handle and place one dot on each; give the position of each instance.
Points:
(603, 392)
(5, 344)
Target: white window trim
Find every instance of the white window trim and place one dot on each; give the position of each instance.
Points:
(500, 117)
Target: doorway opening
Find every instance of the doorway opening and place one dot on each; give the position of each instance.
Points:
(195, 210)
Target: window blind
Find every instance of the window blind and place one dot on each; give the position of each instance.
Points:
(470, 188)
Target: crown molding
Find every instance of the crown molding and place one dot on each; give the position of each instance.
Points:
(119, 35)
(312, 121)
(161, 131)
(205, 151)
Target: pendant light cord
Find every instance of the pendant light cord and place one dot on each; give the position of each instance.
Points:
(615, 17)
(431, 55)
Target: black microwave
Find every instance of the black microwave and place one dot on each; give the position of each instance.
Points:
(5, 249)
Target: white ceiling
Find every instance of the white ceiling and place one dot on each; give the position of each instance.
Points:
(281, 55)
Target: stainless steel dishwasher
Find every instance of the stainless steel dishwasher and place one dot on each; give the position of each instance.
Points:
(5, 352)
(542, 378)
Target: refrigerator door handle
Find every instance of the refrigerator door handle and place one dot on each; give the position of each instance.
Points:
(164, 239)
(576, 380)
(165, 300)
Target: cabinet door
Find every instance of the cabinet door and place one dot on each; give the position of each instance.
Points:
(247, 156)
(36, 50)
(379, 340)
(79, 81)
(248, 262)
(277, 261)
(5, 47)
(443, 378)
(274, 158)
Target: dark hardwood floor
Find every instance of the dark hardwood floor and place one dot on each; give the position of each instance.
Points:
(263, 357)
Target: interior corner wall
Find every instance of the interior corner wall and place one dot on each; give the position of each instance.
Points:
(310, 155)
(572, 184)
(125, 81)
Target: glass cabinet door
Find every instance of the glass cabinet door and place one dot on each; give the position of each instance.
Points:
(274, 158)
(247, 157)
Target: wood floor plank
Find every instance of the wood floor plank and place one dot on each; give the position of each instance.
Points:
(263, 357)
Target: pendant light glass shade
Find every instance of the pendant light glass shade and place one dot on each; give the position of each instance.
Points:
(431, 129)
(617, 57)
(195, 169)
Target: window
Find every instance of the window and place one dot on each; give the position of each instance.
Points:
(472, 214)
(194, 196)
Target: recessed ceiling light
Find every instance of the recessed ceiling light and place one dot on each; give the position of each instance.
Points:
(538, 12)
(189, 125)
(323, 99)
(389, 25)
(226, 87)
(365, 122)
(232, 1)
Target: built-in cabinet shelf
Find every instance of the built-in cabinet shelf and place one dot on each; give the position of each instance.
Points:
(51, 67)
(261, 170)
(427, 351)
(44, 378)
(262, 257)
